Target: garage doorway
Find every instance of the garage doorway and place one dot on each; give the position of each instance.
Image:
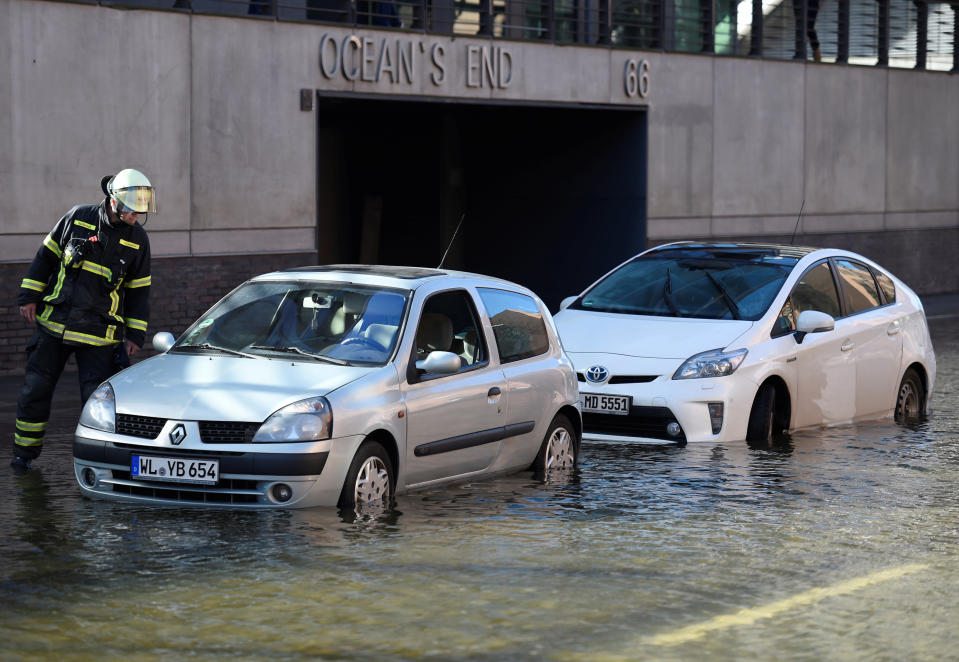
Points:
(551, 197)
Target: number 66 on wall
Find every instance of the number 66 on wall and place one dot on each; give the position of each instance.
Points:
(636, 78)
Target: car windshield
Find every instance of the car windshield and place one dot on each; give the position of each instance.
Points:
(687, 283)
(339, 323)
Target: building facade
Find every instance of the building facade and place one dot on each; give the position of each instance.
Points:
(276, 143)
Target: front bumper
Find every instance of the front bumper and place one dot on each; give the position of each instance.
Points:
(249, 474)
(658, 403)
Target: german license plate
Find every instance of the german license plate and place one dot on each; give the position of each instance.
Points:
(174, 469)
(606, 404)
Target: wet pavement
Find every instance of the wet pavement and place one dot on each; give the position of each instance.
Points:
(839, 544)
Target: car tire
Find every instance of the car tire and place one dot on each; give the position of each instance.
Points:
(762, 417)
(370, 480)
(910, 399)
(559, 448)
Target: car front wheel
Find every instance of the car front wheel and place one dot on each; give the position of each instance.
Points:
(370, 479)
(762, 417)
(910, 401)
(558, 450)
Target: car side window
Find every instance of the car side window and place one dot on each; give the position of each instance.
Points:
(887, 286)
(449, 324)
(816, 290)
(859, 287)
(786, 322)
(517, 324)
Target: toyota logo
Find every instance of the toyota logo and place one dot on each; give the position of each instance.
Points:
(177, 434)
(597, 374)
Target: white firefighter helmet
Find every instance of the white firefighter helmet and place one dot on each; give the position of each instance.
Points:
(131, 191)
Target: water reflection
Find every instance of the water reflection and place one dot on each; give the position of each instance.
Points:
(635, 542)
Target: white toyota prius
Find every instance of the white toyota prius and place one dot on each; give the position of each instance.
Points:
(693, 342)
(336, 386)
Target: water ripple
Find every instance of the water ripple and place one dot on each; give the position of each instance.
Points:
(634, 543)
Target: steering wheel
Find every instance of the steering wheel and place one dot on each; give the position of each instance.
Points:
(366, 342)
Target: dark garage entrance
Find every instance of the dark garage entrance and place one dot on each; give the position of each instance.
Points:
(552, 196)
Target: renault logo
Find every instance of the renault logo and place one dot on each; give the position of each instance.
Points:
(177, 434)
(597, 374)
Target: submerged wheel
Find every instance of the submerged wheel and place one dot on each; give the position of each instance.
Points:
(762, 417)
(558, 450)
(370, 479)
(910, 401)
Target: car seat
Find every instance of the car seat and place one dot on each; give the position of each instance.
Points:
(345, 316)
(435, 333)
(379, 321)
(464, 345)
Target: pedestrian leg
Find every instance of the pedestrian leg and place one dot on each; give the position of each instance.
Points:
(44, 367)
(95, 365)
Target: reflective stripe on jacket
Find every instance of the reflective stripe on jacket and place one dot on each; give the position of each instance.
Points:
(91, 280)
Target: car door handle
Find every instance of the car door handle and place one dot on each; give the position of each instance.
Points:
(893, 329)
(493, 392)
(847, 346)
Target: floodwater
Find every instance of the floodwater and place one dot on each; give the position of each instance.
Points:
(840, 544)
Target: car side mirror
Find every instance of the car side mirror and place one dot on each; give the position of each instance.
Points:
(813, 321)
(163, 341)
(565, 303)
(440, 363)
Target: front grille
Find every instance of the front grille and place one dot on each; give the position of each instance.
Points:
(228, 490)
(632, 379)
(227, 432)
(145, 427)
(623, 379)
(649, 422)
(173, 452)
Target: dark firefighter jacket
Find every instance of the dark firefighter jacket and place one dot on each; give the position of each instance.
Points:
(91, 279)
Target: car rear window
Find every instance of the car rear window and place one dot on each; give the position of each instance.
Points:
(517, 324)
(858, 286)
(887, 286)
(714, 286)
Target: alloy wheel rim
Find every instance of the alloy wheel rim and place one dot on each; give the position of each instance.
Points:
(372, 482)
(559, 450)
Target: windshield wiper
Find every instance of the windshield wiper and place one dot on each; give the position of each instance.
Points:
(215, 348)
(668, 295)
(733, 308)
(296, 350)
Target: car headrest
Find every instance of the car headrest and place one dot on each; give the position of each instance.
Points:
(353, 302)
(434, 333)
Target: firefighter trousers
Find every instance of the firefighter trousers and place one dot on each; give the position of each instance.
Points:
(47, 357)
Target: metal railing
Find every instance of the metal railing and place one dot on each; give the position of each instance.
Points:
(918, 34)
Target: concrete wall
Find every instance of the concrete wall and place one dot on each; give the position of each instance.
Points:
(81, 103)
(209, 108)
(866, 149)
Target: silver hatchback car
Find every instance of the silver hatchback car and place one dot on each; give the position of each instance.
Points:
(338, 385)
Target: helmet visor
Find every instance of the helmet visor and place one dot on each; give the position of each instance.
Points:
(141, 199)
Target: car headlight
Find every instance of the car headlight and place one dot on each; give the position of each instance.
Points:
(714, 363)
(306, 420)
(100, 410)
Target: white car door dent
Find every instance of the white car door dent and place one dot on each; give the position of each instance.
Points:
(826, 376)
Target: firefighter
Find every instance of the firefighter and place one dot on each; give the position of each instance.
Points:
(87, 290)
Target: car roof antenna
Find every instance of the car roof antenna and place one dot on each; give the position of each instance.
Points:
(792, 238)
(452, 239)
